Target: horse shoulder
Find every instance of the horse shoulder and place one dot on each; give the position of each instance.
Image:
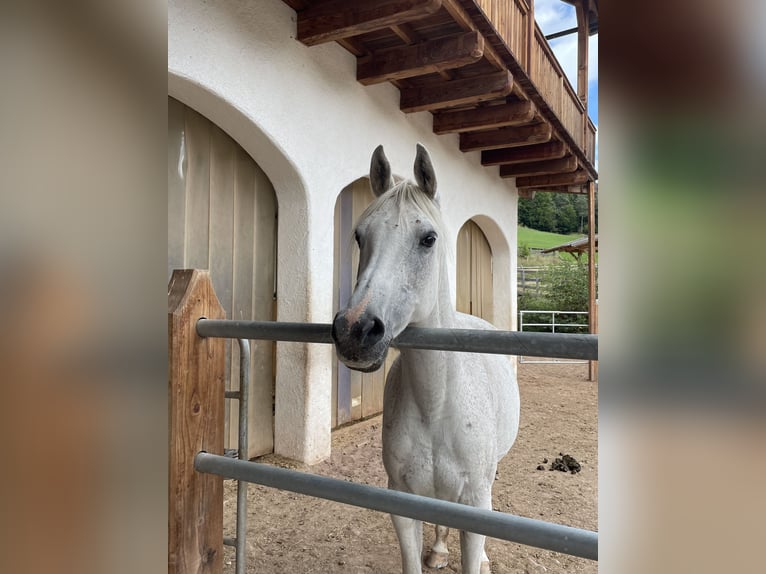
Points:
(502, 384)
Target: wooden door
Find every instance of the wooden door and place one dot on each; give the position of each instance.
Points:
(355, 395)
(222, 217)
(474, 272)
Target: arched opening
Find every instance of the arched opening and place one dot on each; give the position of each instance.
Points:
(222, 217)
(474, 272)
(355, 395)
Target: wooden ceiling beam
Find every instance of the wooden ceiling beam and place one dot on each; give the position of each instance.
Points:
(329, 20)
(539, 182)
(512, 114)
(456, 92)
(420, 59)
(526, 154)
(564, 165)
(506, 137)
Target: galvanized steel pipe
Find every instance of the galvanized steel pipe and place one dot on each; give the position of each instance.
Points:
(244, 392)
(558, 345)
(556, 537)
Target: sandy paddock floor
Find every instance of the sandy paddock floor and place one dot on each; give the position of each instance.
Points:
(290, 533)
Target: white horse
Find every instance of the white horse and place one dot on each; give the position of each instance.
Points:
(448, 418)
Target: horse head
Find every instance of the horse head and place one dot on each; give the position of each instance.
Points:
(399, 262)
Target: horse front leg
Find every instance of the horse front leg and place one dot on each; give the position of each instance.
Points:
(438, 557)
(410, 535)
(473, 558)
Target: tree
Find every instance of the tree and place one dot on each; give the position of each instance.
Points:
(566, 216)
(581, 209)
(526, 209)
(544, 212)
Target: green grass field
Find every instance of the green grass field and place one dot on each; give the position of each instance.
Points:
(542, 239)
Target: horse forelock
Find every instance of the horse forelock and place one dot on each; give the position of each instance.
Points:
(403, 194)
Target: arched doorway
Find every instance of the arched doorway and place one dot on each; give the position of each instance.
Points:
(474, 272)
(222, 217)
(355, 395)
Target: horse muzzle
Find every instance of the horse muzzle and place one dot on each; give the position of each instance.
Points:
(361, 341)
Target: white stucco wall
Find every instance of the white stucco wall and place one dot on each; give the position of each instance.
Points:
(303, 117)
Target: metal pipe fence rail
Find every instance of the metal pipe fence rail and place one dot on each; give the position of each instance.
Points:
(239, 542)
(565, 346)
(196, 381)
(556, 537)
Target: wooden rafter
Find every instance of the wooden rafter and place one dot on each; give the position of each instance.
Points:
(328, 20)
(456, 92)
(578, 177)
(538, 152)
(419, 59)
(515, 113)
(564, 165)
(505, 137)
(447, 57)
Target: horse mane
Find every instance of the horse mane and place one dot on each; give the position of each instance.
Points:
(406, 192)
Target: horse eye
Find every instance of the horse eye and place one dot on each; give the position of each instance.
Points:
(428, 240)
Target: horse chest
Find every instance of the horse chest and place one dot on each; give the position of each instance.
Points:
(436, 457)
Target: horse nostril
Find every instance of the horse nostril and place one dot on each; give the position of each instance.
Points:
(373, 330)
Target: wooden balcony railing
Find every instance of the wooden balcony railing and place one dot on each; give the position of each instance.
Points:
(511, 19)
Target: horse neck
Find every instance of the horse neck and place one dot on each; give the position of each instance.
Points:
(424, 371)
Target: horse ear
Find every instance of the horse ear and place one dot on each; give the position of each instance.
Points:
(380, 172)
(424, 172)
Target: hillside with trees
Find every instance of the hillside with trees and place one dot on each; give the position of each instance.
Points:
(563, 213)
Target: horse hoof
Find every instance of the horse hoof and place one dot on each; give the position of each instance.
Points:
(437, 559)
(484, 568)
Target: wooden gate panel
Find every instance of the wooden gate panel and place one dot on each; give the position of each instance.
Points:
(474, 272)
(222, 217)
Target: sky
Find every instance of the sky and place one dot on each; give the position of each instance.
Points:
(554, 16)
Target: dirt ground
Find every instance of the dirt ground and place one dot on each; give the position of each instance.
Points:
(290, 533)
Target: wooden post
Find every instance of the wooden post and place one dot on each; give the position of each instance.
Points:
(583, 24)
(196, 368)
(530, 37)
(592, 304)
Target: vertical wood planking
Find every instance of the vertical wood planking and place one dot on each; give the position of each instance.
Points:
(463, 269)
(344, 210)
(474, 272)
(177, 164)
(509, 18)
(196, 417)
(197, 217)
(482, 258)
(242, 269)
(222, 166)
(261, 415)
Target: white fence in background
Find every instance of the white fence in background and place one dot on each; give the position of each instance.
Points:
(529, 318)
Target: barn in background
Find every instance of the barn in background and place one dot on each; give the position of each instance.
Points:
(274, 110)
